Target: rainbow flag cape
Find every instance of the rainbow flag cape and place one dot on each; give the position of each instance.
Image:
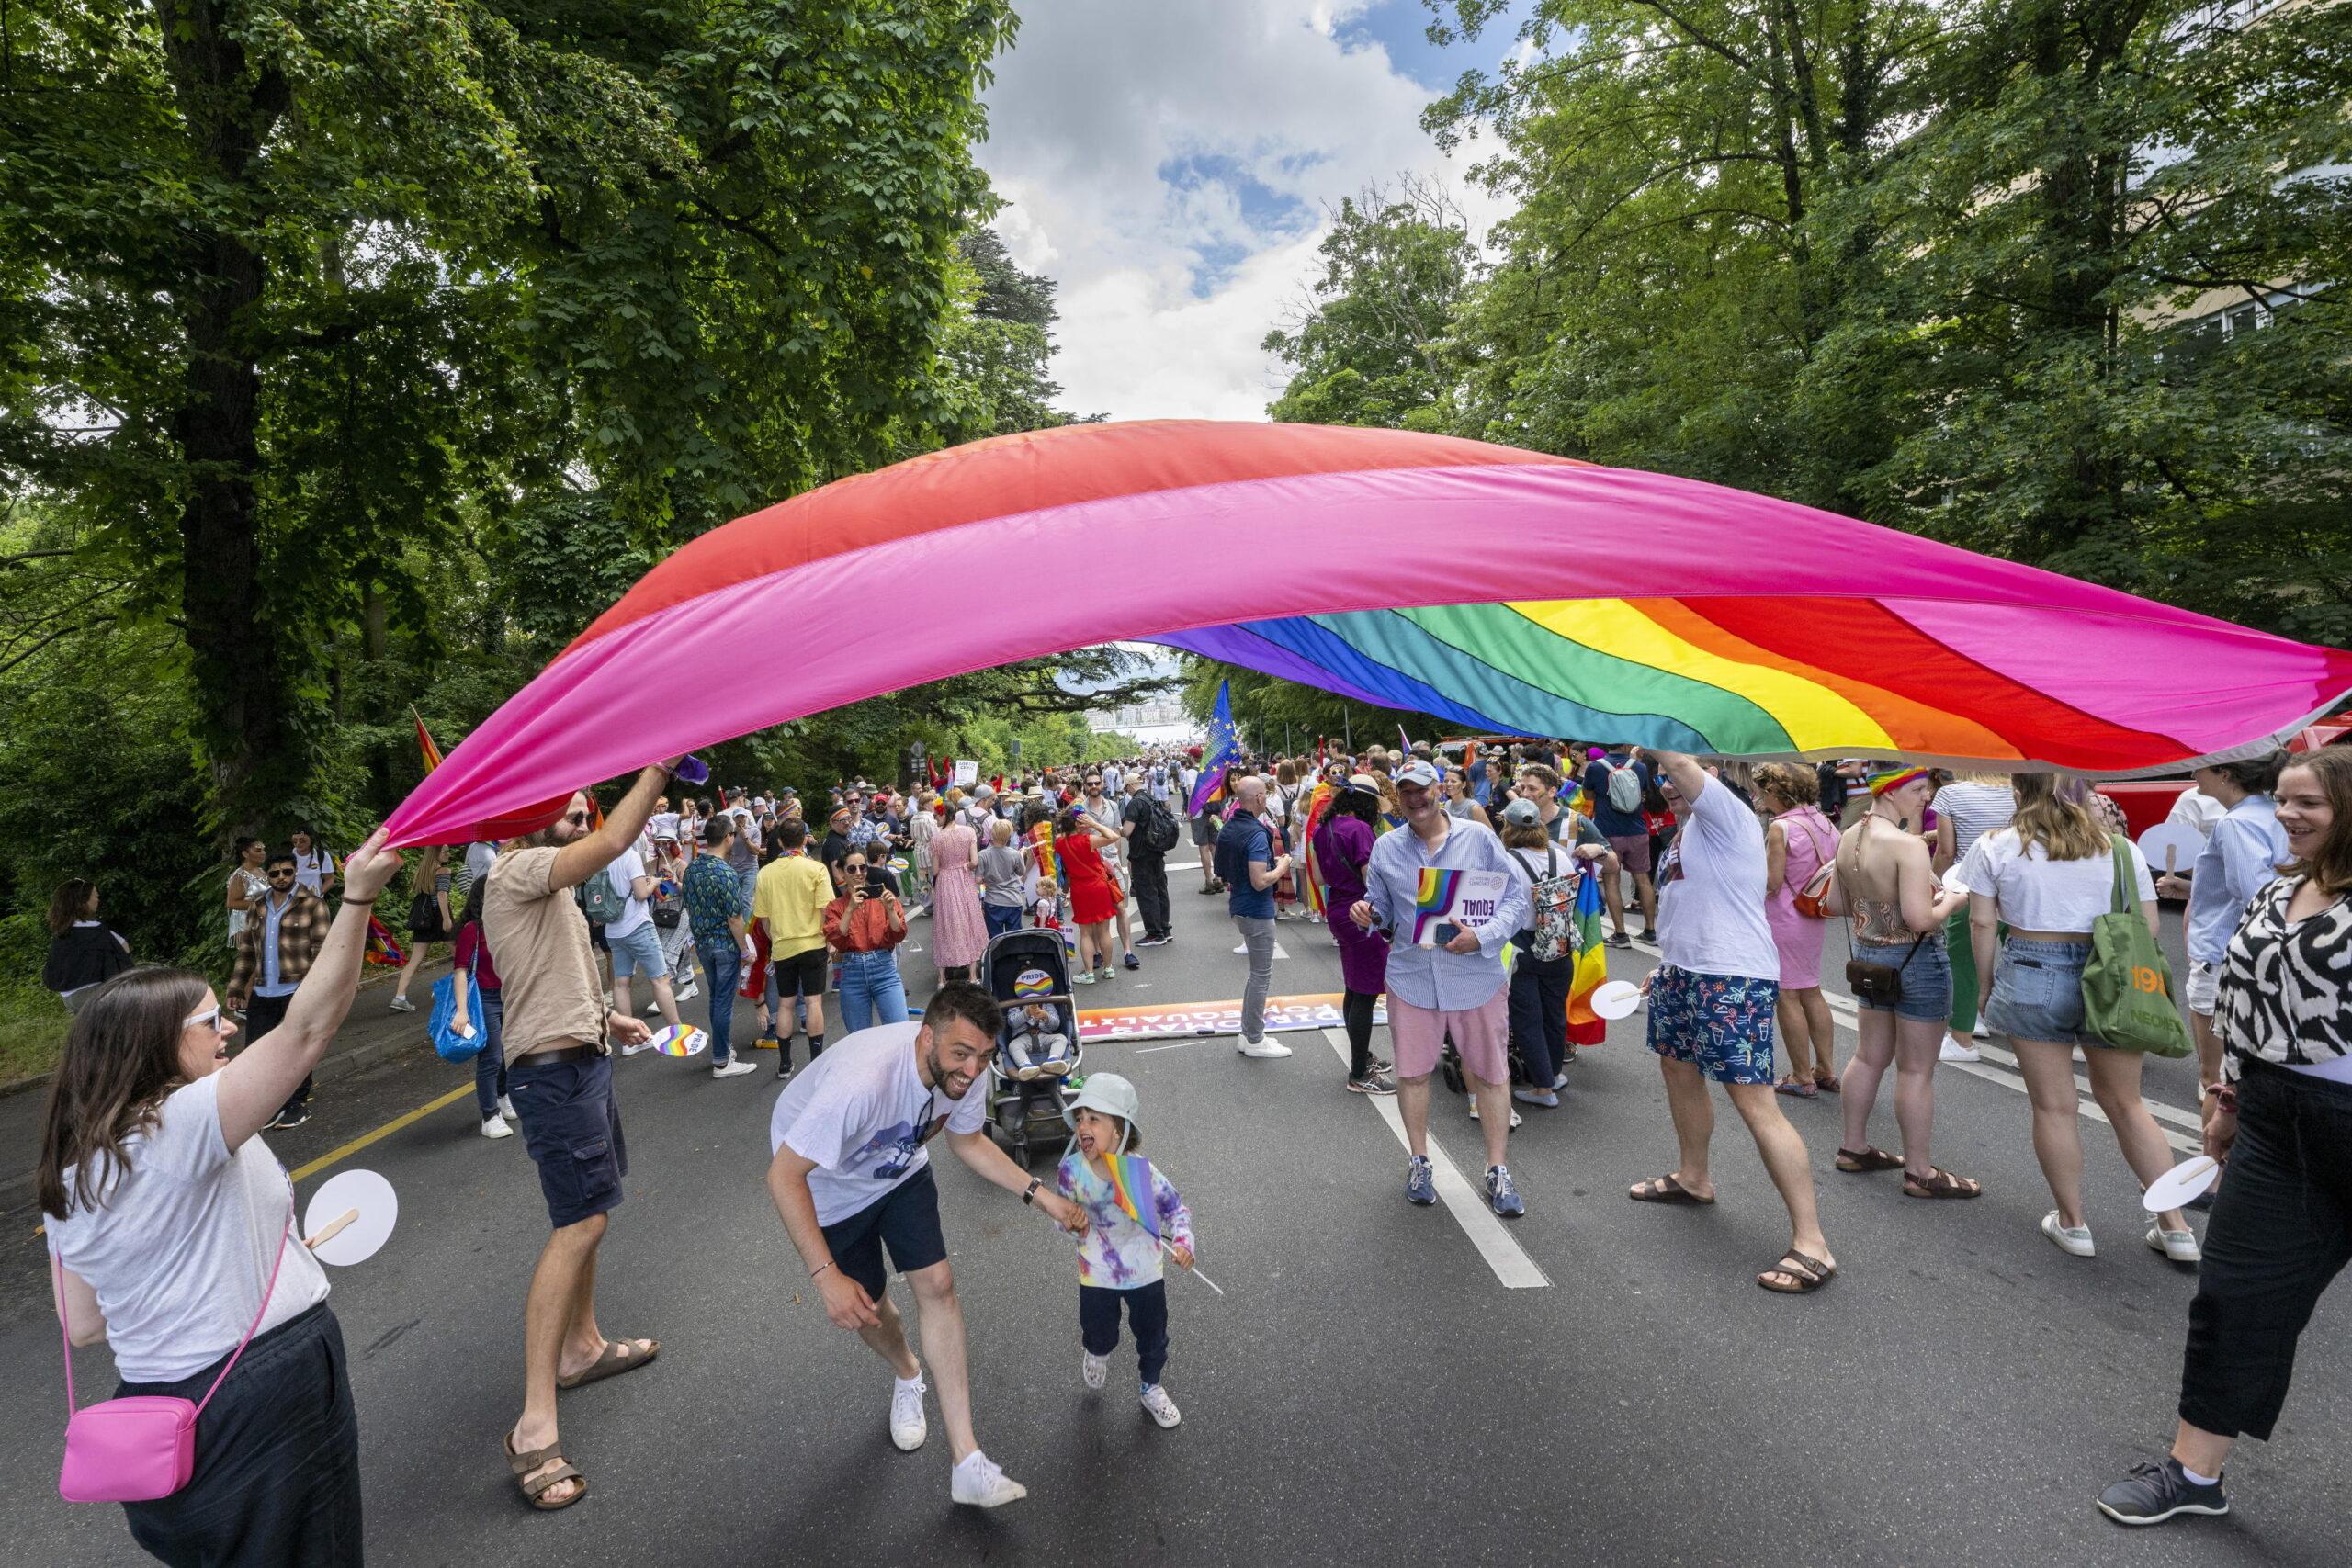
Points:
(1049, 863)
(382, 948)
(1591, 957)
(1318, 804)
(1131, 1190)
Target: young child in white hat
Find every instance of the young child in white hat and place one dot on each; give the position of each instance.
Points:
(1131, 1210)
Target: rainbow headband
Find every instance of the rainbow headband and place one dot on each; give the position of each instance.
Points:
(1894, 779)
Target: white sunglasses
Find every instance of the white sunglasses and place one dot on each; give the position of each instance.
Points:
(210, 1017)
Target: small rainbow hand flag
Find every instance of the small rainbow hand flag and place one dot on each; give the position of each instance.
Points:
(382, 949)
(1131, 1190)
(1434, 898)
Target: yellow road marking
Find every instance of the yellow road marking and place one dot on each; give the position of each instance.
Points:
(386, 1130)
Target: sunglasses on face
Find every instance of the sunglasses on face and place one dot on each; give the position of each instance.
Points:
(210, 1018)
(283, 874)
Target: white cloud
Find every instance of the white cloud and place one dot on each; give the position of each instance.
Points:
(1170, 162)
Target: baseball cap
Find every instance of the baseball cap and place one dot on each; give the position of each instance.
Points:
(1522, 813)
(1417, 772)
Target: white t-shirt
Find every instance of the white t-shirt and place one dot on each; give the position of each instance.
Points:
(1711, 892)
(182, 1250)
(2197, 809)
(312, 870)
(623, 875)
(2044, 894)
(861, 1112)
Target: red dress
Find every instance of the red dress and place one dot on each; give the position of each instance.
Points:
(1087, 880)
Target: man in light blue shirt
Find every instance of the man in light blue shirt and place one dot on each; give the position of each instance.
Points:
(2243, 853)
(1458, 988)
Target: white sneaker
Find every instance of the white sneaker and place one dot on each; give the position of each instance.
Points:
(651, 1007)
(506, 1109)
(1264, 1050)
(1159, 1408)
(2076, 1240)
(908, 1427)
(2180, 1245)
(735, 1068)
(1955, 1049)
(687, 993)
(1515, 1117)
(1092, 1367)
(1983, 1030)
(496, 1127)
(981, 1482)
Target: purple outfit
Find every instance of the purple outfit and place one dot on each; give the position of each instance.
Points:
(1813, 843)
(1342, 849)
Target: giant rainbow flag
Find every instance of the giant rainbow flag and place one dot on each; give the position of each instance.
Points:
(1625, 606)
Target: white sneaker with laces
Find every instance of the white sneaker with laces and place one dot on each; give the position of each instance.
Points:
(735, 1068)
(1159, 1408)
(496, 1127)
(506, 1109)
(2180, 1245)
(687, 993)
(908, 1427)
(981, 1482)
(1264, 1050)
(1955, 1049)
(2076, 1240)
(1092, 1367)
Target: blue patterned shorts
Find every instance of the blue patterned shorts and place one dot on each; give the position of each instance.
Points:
(1722, 1024)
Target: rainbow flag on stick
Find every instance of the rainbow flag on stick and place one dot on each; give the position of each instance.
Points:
(1591, 961)
(1131, 1190)
(382, 949)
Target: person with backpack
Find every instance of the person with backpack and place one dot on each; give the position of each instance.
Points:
(1540, 976)
(1151, 832)
(1620, 785)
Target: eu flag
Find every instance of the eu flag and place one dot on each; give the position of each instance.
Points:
(1222, 752)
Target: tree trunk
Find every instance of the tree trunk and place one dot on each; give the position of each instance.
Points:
(240, 725)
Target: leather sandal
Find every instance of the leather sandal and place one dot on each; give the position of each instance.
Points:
(618, 1356)
(536, 1487)
(1868, 1160)
(1664, 1189)
(1939, 1183)
(1809, 1274)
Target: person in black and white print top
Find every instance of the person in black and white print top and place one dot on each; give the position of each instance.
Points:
(2282, 1117)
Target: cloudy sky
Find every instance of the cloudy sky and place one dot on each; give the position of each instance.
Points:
(1170, 162)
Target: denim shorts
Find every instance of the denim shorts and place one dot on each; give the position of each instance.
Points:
(571, 1128)
(1927, 977)
(2038, 992)
(637, 953)
(1722, 1024)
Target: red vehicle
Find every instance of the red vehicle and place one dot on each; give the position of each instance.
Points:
(2147, 802)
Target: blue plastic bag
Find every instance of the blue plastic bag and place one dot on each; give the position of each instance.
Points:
(454, 1046)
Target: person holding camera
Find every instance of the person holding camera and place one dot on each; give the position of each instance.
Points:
(864, 928)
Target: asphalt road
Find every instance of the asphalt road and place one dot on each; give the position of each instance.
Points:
(1370, 1390)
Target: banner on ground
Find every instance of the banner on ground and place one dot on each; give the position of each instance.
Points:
(1320, 1010)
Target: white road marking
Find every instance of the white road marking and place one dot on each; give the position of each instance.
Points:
(1494, 1241)
(1243, 951)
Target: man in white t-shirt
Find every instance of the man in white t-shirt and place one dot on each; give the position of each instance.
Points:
(636, 943)
(850, 1177)
(1711, 1004)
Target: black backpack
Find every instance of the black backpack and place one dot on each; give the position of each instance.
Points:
(1159, 828)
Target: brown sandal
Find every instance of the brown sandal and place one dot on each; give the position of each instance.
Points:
(1939, 1183)
(1825, 1082)
(536, 1487)
(1664, 1189)
(1811, 1274)
(618, 1356)
(1868, 1160)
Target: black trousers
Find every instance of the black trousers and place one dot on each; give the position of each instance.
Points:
(1098, 1323)
(2281, 1231)
(276, 1477)
(1539, 1015)
(1149, 872)
(1356, 1009)
(262, 1015)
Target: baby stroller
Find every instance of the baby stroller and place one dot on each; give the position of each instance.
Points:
(1027, 971)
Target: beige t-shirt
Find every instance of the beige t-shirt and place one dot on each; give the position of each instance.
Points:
(540, 938)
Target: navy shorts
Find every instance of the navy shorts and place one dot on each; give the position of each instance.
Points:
(572, 1128)
(906, 1219)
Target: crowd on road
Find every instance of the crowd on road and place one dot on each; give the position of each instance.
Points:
(1465, 888)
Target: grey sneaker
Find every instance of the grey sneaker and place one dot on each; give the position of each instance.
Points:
(401, 1004)
(1502, 1194)
(2154, 1493)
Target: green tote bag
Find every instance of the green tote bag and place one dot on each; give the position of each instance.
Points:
(2127, 984)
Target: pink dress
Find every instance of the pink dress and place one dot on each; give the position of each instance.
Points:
(1813, 843)
(959, 933)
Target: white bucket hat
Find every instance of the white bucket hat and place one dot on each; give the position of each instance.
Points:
(1109, 1094)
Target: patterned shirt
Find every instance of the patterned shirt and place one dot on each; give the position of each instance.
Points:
(2285, 992)
(1115, 1252)
(713, 897)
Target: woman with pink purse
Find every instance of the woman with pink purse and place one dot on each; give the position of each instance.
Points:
(231, 1439)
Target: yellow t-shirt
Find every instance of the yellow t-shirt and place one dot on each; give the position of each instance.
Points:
(789, 899)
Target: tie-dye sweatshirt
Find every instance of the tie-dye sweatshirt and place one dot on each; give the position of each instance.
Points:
(1115, 1252)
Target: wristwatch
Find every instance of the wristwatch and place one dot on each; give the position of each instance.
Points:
(1035, 1182)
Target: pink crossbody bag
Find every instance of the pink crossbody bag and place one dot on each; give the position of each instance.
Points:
(143, 1447)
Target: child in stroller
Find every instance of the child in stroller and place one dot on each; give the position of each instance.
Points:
(1037, 1029)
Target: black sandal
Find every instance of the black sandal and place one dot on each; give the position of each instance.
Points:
(1811, 1274)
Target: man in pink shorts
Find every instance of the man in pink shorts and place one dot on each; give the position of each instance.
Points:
(1456, 986)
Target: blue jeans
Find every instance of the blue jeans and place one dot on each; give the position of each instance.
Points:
(725, 966)
(1001, 917)
(490, 1062)
(746, 878)
(871, 991)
